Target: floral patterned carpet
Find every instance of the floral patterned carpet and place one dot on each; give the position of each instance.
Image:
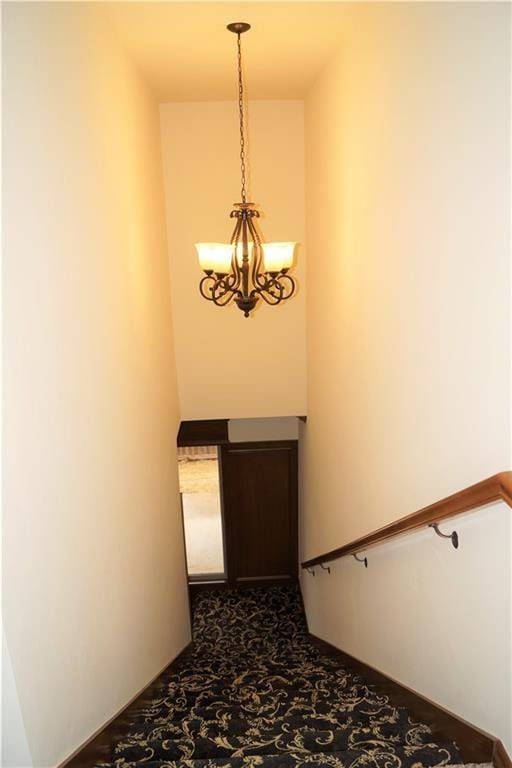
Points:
(253, 690)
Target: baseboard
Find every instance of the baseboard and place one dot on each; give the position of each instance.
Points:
(500, 756)
(475, 745)
(97, 745)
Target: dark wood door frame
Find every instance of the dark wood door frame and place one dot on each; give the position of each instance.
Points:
(204, 432)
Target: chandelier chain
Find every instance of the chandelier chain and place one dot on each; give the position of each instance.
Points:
(241, 111)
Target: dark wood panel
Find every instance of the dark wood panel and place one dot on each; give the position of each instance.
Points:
(259, 483)
(475, 745)
(492, 489)
(206, 432)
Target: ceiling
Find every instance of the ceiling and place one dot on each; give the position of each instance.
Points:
(186, 53)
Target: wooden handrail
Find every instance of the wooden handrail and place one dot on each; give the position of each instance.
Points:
(494, 488)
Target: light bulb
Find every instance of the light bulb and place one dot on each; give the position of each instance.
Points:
(239, 252)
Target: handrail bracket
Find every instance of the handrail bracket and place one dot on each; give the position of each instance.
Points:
(453, 536)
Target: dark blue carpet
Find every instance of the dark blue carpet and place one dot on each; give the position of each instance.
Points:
(253, 690)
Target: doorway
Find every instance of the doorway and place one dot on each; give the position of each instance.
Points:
(201, 503)
(239, 502)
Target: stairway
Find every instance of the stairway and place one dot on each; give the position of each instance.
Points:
(254, 690)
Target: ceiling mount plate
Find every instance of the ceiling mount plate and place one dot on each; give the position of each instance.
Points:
(238, 27)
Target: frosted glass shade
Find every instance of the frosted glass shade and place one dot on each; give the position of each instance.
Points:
(277, 256)
(215, 257)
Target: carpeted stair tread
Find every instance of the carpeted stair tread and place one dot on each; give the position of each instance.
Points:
(295, 711)
(301, 683)
(276, 710)
(254, 690)
(238, 722)
(428, 756)
(193, 694)
(402, 728)
(220, 723)
(256, 741)
(291, 679)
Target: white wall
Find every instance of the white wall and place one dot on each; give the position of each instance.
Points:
(407, 179)
(15, 749)
(429, 616)
(230, 366)
(95, 601)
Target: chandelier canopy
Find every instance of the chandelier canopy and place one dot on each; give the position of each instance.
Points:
(246, 268)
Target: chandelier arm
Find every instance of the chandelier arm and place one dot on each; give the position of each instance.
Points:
(256, 252)
(212, 293)
(293, 286)
(259, 278)
(231, 282)
(271, 291)
(280, 282)
(235, 267)
(245, 256)
(261, 281)
(223, 300)
(236, 231)
(252, 228)
(275, 286)
(203, 287)
(269, 298)
(222, 292)
(209, 286)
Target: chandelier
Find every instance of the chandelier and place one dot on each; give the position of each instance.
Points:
(246, 268)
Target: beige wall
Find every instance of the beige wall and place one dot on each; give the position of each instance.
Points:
(94, 583)
(229, 366)
(407, 179)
